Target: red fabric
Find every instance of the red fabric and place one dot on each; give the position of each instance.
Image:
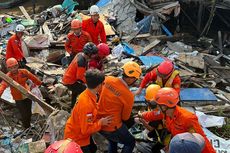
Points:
(75, 44)
(21, 78)
(152, 77)
(14, 48)
(95, 31)
(182, 121)
(75, 72)
(96, 64)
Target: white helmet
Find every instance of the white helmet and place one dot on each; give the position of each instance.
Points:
(20, 28)
(94, 10)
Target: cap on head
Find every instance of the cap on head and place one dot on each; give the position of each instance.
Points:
(151, 91)
(19, 28)
(75, 24)
(165, 68)
(132, 69)
(103, 50)
(11, 62)
(167, 96)
(94, 10)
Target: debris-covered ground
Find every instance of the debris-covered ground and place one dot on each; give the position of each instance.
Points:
(142, 31)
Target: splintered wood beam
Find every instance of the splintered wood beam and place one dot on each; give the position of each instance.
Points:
(24, 12)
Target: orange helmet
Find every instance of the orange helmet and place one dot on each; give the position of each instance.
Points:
(75, 24)
(165, 68)
(132, 69)
(167, 96)
(11, 62)
(151, 91)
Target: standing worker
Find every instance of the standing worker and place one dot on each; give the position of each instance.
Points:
(164, 75)
(117, 100)
(176, 119)
(14, 46)
(20, 76)
(97, 62)
(94, 26)
(83, 121)
(76, 39)
(74, 76)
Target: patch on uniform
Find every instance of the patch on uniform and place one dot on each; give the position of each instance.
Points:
(157, 113)
(89, 117)
(191, 130)
(176, 86)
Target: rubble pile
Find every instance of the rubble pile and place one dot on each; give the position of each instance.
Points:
(204, 64)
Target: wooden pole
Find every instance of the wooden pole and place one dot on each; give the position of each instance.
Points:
(26, 93)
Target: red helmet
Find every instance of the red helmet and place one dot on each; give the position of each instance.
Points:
(75, 24)
(11, 62)
(64, 146)
(165, 68)
(103, 50)
(167, 96)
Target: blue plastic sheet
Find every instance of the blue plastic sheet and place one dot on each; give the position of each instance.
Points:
(197, 94)
(151, 60)
(147, 24)
(102, 3)
(128, 49)
(69, 5)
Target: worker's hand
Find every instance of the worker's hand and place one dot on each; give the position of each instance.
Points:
(106, 120)
(138, 92)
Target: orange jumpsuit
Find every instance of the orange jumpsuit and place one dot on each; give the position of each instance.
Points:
(76, 70)
(152, 76)
(96, 31)
(21, 78)
(14, 48)
(74, 44)
(83, 121)
(182, 121)
(115, 100)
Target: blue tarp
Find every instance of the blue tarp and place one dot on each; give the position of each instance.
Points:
(197, 94)
(147, 24)
(69, 5)
(151, 60)
(102, 3)
(128, 49)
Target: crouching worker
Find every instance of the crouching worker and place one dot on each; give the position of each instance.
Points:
(83, 121)
(64, 146)
(20, 76)
(175, 118)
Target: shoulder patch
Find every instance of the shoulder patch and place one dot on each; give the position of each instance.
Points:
(81, 61)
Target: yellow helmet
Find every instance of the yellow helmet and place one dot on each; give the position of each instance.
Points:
(151, 91)
(132, 69)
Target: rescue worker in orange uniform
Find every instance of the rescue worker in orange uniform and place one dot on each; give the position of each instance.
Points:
(76, 39)
(117, 100)
(94, 26)
(74, 76)
(83, 121)
(14, 46)
(97, 62)
(20, 76)
(175, 118)
(164, 75)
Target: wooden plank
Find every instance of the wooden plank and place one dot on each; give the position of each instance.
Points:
(151, 45)
(26, 93)
(47, 31)
(24, 12)
(141, 36)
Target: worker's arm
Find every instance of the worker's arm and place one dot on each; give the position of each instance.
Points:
(82, 63)
(193, 126)
(127, 107)
(176, 84)
(9, 50)
(88, 37)
(103, 34)
(3, 86)
(151, 76)
(68, 46)
(87, 124)
(32, 77)
(152, 116)
(84, 25)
